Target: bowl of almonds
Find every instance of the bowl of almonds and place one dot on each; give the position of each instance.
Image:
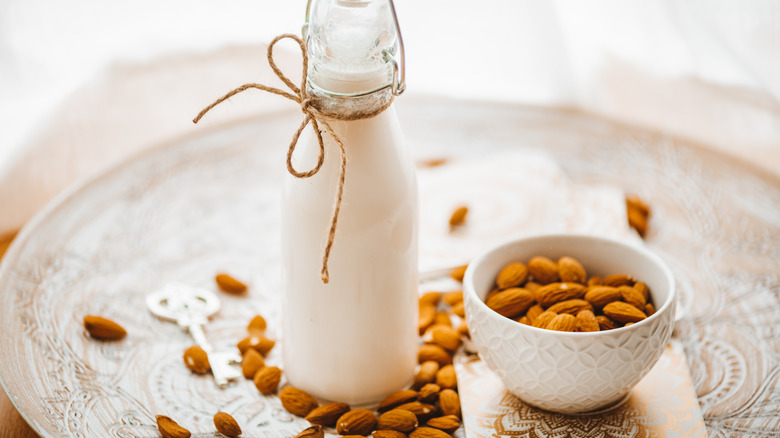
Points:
(569, 323)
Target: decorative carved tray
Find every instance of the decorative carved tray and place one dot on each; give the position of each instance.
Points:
(209, 203)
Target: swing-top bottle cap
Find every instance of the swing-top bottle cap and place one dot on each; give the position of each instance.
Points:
(352, 47)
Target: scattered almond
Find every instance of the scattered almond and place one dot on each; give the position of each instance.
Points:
(453, 298)
(396, 399)
(423, 411)
(458, 216)
(171, 429)
(459, 309)
(229, 284)
(446, 377)
(458, 273)
(446, 337)
(327, 414)
(512, 275)
(543, 270)
(356, 422)
(426, 317)
(400, 420)
(623, 312)
(463, 329)
(257, 324)
(426, 374)
(251, 363)
(447, 423)
(449, 402)
(311, 432)
(196, 359)
(429, 393)
(428, 432)
(226, 424)
(267, 380)
(430, 299)
(297, 401)
(435, 353)
(103, 328)
(442, 318)
(257, 342)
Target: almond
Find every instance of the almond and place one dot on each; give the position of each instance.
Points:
(643, 289)
(458, 273)
(511, 302)
(257, 324)
(453, 298)
(459, 309)
(543, 270)
(446, 337)
(571, 307)
(256, 342)
(532, 286)
(311, 432)
(103, 328)
(387, 434)
(327, 414)
(556, 292)
(458, 216)
(423, 411)
(267, 380)
(449, 402)
(171, 429)
(637, 221)
(523, 320)
(543, 320)
(606, 323)
(446, 377)
(442, 318)
(426, 374)
(397, 419)
(619, 280)
(513, 274)
(623, 312)
(534, 312)
(297, 401)
(430, 299)
(435, 353)
(595, 281)
(196, 359)
(428, 432)
(226, 424)
(587, 322)
(633, 297)
(397, 399)
(571, 270)
(356, 422)
(229, 284)
(600, 296)
(251, 363)
(563, 323)
(447, 423)
(429, 393)
(649, 309)
(463, 329)
(426, 317)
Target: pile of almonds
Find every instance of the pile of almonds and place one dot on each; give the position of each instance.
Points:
(560, 296)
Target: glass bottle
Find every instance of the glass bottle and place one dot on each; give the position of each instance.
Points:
(353, 339)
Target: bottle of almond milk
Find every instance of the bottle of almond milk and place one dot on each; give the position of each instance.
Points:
(352, 339)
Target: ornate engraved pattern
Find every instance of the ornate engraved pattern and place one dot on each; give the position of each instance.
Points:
(209, 202)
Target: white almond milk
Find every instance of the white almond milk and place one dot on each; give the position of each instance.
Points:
(354, 339)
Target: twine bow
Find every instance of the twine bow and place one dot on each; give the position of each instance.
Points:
(311, 115)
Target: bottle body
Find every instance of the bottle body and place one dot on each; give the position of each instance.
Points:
(353, 339)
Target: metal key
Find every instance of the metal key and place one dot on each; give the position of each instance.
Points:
(191, 308)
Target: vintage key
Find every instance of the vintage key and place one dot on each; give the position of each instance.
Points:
(191, 308)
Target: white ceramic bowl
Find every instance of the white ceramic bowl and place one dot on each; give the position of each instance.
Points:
(561, 371)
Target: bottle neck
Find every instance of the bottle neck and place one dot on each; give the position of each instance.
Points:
(344, 106)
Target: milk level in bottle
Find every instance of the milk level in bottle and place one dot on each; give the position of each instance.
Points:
(354, 338)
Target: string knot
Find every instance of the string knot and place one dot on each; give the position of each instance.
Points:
(311, 115)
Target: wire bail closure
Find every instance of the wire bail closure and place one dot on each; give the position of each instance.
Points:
(399, 68)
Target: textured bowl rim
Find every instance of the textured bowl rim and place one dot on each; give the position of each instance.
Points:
(638, 248)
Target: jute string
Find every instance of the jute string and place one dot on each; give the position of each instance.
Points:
(311, 115)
